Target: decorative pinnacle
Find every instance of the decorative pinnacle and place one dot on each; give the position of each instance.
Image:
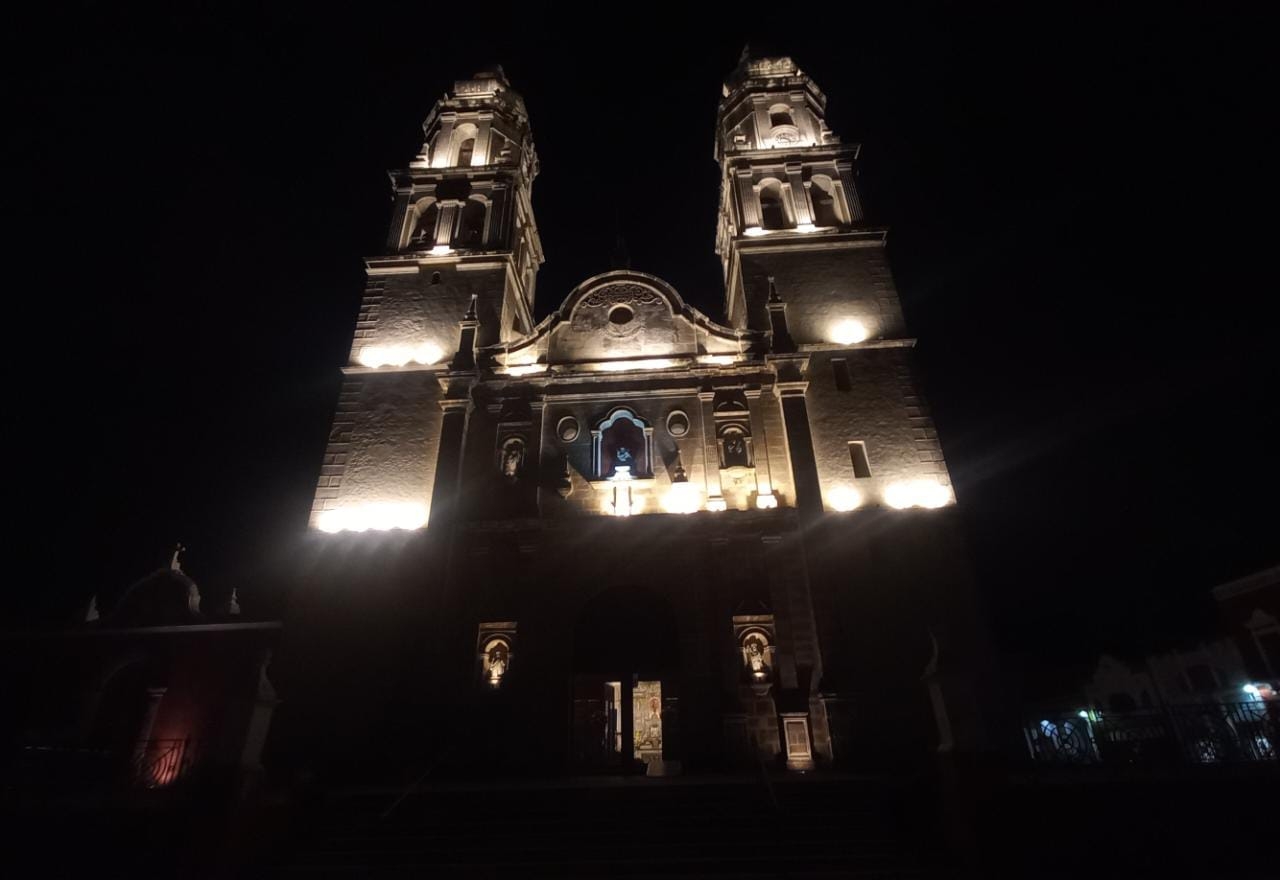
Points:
(470, 316)
(773, 293)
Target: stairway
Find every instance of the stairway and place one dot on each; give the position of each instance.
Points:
(625, 827)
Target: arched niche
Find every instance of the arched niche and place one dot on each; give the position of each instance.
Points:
(495, 652)
(622, 440)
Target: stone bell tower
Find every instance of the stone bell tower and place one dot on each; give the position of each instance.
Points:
(458, 273)
(789, 210)
(802, 264)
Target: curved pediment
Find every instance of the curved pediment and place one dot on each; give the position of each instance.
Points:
(622, 315)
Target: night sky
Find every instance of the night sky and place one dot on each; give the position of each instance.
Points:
(1073, 204)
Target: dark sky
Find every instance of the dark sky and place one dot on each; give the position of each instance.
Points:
(1071, 201)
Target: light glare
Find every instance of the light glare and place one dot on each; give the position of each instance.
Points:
(844, 498)
(644, 364)
(682, 498)
(916, 493)
(376, 517)
(399, 355)
(848, 332)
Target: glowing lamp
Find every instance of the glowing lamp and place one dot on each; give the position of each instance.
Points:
(441, 250)
(717, 504)
(1252, 691)
(526, 369)
(916, 493)
(806, 227)
(399, 355)
(721, 360)
(844, 498)
(848, 332)
(1083, 714)
(375, 517)
(753, 231)
(766, 501)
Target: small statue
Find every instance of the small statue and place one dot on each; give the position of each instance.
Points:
(623, 454)
(735, 451)
(175, 564)
(512, 458)
(755, 657)
(497, 665)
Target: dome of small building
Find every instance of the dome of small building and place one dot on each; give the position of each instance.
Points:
(166, 597)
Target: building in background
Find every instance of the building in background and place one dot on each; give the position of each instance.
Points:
(630, 536)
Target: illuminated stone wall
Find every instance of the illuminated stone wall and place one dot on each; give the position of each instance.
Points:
(883, 409)
(821, 287)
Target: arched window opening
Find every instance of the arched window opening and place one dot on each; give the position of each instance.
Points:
(822, 193)
(464, 138)
(773, 213)
(465, 151)
(780, 114)
(471, 224)
(424, 232)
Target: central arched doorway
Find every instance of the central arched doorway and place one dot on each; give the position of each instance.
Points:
(625, 689)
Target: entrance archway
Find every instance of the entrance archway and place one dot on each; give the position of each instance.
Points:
(625, 690)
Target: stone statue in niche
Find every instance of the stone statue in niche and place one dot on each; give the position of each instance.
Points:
(735, 450)
(622, 455)
(756, 652)
(497, 661)
(512, 458)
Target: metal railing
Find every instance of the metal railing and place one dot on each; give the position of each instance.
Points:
(153, 763)
(157, 763)
(1207, 734)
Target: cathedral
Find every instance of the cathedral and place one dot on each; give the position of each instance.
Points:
(633, 537)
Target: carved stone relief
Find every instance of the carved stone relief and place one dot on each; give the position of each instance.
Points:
(628, 317)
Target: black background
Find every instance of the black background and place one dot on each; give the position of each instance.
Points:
(1075, 202)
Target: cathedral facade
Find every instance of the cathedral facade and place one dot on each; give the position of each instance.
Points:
(632, 537)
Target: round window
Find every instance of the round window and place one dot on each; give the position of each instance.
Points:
(567, 429)
(677, 423)
(621, 315)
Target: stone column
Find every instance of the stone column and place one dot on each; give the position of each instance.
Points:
(453, 430)
(845, 184)
(760, 116)
(533, 456)
(445, 222)
(804, 118)
(441, 155)
(804, 469)
(765, 498)
(482, 140)
(265, 702)
(710, 452)
(748, 202)
(783, 627)
(799, 199)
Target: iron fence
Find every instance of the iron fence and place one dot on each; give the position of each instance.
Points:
(1215, 733)
(154, 763)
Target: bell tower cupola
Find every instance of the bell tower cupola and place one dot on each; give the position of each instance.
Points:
(466, 198)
